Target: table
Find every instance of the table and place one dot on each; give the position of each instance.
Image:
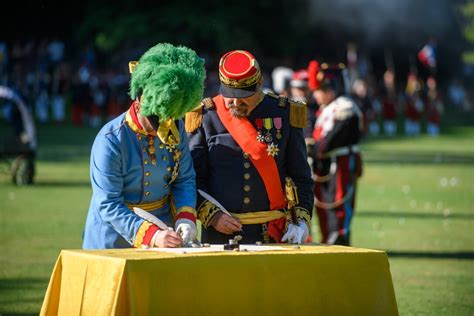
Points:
(312, 280)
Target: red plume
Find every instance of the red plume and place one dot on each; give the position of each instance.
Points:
(313, 69)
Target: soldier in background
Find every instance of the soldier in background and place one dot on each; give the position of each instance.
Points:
(360, 94)
(338, 162)
(299, 90)
(244, 144)
(389, 103)
(434, 107)
(414, 106)
(281, 77)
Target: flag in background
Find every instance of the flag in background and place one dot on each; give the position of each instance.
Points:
(427, 55)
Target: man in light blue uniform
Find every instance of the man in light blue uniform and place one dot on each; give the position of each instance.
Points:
(141, 158)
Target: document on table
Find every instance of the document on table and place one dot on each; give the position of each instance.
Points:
(216, 248)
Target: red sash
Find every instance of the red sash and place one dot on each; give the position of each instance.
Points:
(245, 135)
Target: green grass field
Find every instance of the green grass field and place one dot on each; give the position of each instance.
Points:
(415, 201)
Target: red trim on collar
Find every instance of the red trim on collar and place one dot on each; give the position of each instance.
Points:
(133, 114)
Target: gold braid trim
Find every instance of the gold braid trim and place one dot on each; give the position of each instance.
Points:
(150, 206)
(242, 83)
(193, 120)
(176, 158)
(297, 114)
(259, 217)
(186, 209)
(304, 215)
(141, 234)
(132, 125)
(206, 211)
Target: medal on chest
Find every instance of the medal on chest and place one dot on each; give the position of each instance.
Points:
(273, 150)
(278, 125)
(260, 136)
(268, 124)
(264, 128)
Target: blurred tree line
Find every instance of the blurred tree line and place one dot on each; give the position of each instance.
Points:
(282, 31)
(468, 30)
(267, 27)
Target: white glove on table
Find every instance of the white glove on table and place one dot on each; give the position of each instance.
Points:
(187, 229)
(296, 234)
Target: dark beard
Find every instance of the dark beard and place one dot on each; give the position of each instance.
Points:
(238, 112)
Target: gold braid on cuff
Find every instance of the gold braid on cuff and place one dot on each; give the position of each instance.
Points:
(206, 211)
(304, 215)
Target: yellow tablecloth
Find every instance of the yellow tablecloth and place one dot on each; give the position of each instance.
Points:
(312, 280)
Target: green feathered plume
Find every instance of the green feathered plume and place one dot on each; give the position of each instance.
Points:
(170, 80)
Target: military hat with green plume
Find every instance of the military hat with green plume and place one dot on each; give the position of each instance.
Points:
(169, 80)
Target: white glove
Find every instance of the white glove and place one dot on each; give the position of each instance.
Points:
(296, 234)
(187, 229)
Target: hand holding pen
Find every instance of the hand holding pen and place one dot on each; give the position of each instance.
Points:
(225, 224)
(222, 221)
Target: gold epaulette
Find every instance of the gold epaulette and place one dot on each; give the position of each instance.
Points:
(297, 109)
(208, 103)
(297, 114)
(193, 119)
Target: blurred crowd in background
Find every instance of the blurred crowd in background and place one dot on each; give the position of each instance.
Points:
(62, 87)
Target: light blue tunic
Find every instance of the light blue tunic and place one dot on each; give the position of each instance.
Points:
(122, 173)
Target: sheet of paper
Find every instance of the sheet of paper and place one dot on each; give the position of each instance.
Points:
(261, 248)
(216, 248)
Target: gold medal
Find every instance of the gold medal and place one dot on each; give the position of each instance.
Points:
(268, 124)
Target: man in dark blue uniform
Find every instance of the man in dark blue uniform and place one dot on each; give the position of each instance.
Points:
(248, 149)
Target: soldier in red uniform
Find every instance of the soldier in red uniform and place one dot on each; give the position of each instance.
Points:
(434, 107)
(413, 106)
(389, 104)
(337, 163)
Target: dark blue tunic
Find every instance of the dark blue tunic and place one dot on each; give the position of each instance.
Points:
(225, 172)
